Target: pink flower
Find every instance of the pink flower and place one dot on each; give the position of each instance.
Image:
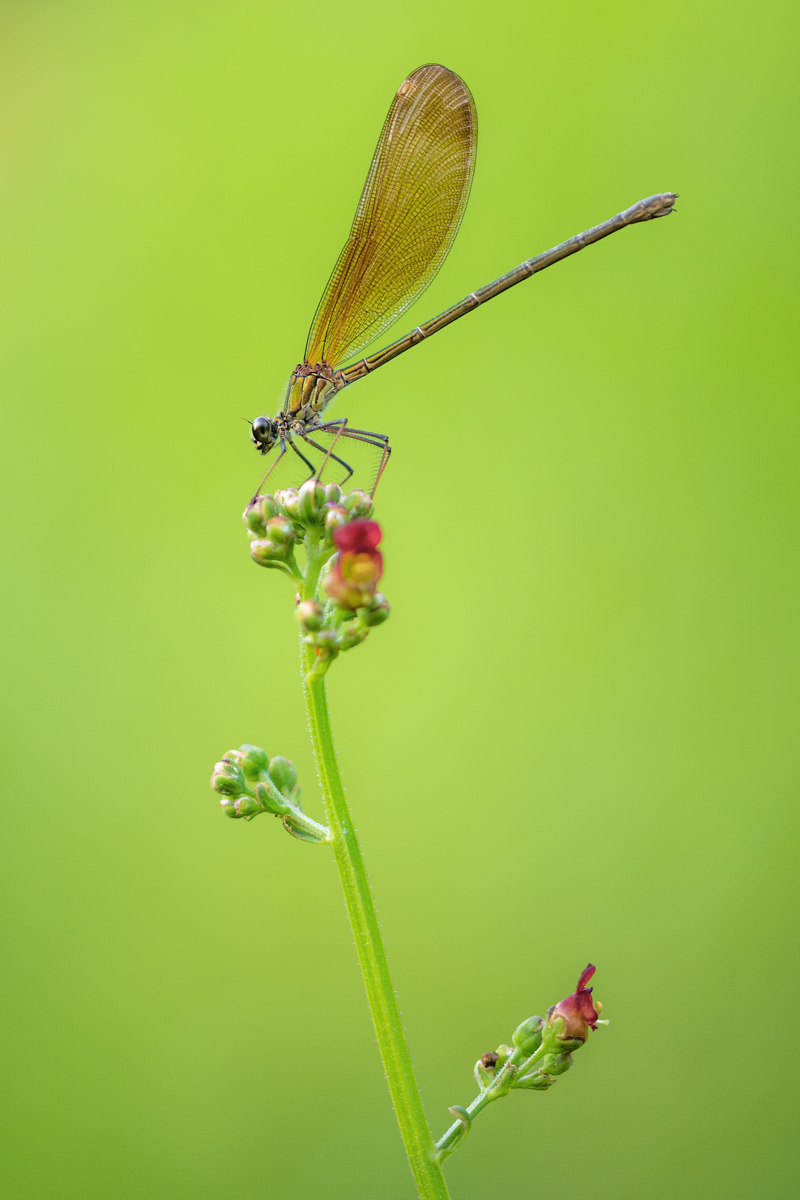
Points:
(354, 576)
(578, 1011)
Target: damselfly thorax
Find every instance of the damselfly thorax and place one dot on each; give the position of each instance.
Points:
(311, 388)
(300, 431)
(406, 221)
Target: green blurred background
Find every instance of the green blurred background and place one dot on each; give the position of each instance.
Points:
(575, 739)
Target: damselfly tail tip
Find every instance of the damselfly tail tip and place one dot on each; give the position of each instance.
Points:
(654, 206)
(667, 201)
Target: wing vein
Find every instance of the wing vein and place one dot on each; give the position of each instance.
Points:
(407, 218)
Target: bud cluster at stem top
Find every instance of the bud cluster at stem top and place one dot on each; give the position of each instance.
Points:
(341, 558)
(315, 510)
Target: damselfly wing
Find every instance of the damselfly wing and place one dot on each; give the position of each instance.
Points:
(406, 221)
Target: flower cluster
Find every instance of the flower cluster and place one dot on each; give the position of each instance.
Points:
(309, 515)
(358, 566)
(541, 1049)
(354, 605)
(250, 782)
(341, 559)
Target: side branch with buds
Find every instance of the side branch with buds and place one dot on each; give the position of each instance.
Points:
(326, 542)
(541, 1049)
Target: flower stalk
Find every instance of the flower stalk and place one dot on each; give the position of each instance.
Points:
(371, 951)
(541, 1050)
(337, 606)
(405, 1095)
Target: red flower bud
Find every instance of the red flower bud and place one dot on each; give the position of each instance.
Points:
(354, 576)
(578, 1011)
(358, 537)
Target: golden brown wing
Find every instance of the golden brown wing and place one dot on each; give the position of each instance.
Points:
(410, 210)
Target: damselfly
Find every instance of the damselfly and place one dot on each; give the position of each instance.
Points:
(407, 219)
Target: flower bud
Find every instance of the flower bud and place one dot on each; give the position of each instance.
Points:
(254, 518)
(577, 1012)
(326, 639)
(335, 517)
(252, 760)
(258, 512)
(228, 806)
(310, 615)
(356, 570)
(310, 501)
(276, 545)
(270, 799)
(283, 774)
(228, 778)
(263, 553)
(378, 610)
(234, 756)
(528, 1036)
(247, 806)
(358, 504)
(351, 635)
(288, 500)
(333, 493)
(503, 1054)
(560, 1064)
(538, 1081)
(280, 531)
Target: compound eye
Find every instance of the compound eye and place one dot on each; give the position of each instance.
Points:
(262, 429)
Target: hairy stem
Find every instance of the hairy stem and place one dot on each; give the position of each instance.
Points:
(371, 952)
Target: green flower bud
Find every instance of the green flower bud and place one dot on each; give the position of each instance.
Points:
(277, 545)
(262, 552)
(528, 1036)
(283, 774)
(310, 502)
(234, 756)
(326, 639)
(228, 778)
(350, 636)
(247, 806)
(228, 806)
(335, 517)
(258, 512)
(503, 1054)
(359, 505)
(539, 1081)
(269, 799)
(378, 610)
(252, 760)
(333, 493)
(310, 615)
(560, 1064)
(280, 531)
(253, 518)
(288, 500)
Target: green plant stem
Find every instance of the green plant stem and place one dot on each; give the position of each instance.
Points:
(449, 1140)
(371, 952)
(520, 1065)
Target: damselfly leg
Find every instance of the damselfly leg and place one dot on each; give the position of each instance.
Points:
(278, 458)
(379, 441)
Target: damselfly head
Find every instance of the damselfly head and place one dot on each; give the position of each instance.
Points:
(264, 433)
